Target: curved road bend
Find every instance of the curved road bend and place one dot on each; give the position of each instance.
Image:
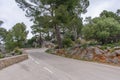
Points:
(43, 66)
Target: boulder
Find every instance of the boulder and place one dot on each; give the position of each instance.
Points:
(100, 58)
(89, 55)
(115, 60)
(48, 44)
(83, 54)
(108, 60)
(110, 55)
(73, 52)
(98, 51)
(76, 56)
(117, 52)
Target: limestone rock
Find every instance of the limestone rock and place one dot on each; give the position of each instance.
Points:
(117, 52)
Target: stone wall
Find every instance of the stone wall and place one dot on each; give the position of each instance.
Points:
(5, 62)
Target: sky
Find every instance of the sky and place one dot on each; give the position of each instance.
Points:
(11, 14)
(97, 6)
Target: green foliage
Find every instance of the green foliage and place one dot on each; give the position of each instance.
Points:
(85, 45)
(54, 14)
(1, 22)
(51, 51)
(16, 37)
(30, 42)
(9, 43)
(62, 15)
(88, 31)
(1, 55)
(111, 14)
(106, 13)
(3, 33)
(102, 30)
(78, 41)
(103, 47)
(111, 46)
(93, 43)
(17, 51)
(74, 27)
(67, 42)
(69, 35)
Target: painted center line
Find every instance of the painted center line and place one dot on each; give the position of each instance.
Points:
(31, 58)
(34, 60)
(37, 62)
(48, 70)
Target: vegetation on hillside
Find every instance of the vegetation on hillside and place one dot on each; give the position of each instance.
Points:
(60, 22)
(14, 38)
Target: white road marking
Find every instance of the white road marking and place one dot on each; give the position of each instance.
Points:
(31, 58)
(37, 62)
(34, 60)
(48, 70)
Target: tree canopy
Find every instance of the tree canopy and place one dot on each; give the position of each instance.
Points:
(59, 12)
(104, 29)
(16, 36)
(3, 33)
(1, 22)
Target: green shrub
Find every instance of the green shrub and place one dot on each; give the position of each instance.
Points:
(1, 55)
(56, 47)
(67, 42)
(111, 45)
(51, 51)
(69, 36)
(78, 41)
(103, 47)
(93, 43)
(17, 51)
(84, 46)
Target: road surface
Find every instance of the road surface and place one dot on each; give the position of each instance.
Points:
(43, 66)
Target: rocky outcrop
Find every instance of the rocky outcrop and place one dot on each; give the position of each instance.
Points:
(93, 54)
(48, 44)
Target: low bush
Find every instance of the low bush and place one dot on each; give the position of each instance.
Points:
(84, 46)
(51, 51)
(67, 42)
(93, 43)
(103, 47)
(17, 51)
(1, 55)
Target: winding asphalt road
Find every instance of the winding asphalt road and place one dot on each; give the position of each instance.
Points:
(43, 66)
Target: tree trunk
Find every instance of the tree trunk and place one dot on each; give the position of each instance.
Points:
(59, 41)
(48, 35)
(40, 41)
(75, 34)
(57, 30)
